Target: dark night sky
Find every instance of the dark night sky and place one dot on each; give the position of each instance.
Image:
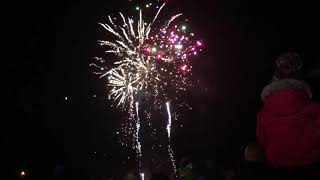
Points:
(53, 43)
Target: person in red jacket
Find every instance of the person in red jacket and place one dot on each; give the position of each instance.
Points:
(288, 124)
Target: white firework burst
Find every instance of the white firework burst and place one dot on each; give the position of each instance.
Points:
(133, 72)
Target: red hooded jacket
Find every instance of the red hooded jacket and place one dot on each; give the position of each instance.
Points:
(288, 125)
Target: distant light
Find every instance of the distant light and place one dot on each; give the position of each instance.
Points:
(66, 98)
(117, 132)
(137, 8)
(22, 173)
(184, 28)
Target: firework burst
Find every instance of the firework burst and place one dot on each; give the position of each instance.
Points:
(151, 60)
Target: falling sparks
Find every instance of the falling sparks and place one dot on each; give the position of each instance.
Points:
(138, 144)
(151, 64)
(170, 151)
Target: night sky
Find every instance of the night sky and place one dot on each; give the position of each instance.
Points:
(56, 110)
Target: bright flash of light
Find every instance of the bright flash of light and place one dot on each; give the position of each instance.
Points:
(169, 120)
(22, 173)
(178, 46)
(154, 49)
(142, 176)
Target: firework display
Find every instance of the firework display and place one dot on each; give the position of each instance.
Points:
(151, 59)
(149, 62)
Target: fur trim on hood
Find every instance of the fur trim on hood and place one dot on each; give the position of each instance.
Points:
(283, 84)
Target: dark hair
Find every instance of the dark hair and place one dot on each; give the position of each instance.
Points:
(288, 65)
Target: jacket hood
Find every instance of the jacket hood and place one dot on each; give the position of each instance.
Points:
(286, 97)
(285, 84)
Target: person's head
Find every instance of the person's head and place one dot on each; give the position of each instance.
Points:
(253, 153)
(186, 167)
(288, 66)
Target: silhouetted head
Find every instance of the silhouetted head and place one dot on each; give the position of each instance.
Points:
(253, 153)
(288, 66)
